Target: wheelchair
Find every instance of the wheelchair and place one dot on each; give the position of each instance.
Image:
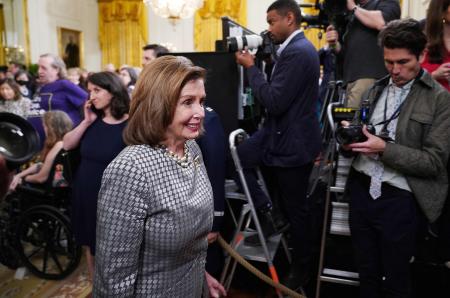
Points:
(35, 229)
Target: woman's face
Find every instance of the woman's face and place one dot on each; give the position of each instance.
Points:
(189, 113)
(125, 76)
(101, 98)
(7, 92)
(74, 77)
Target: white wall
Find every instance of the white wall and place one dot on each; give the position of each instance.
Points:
(256, 15)
(46, 15)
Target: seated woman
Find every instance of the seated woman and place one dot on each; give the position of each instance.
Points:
(11, 99)
(56, 125)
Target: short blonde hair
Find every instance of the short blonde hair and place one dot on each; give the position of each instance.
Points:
(155, 98)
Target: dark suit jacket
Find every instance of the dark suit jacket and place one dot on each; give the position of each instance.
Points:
(213, 145)
(290, 135)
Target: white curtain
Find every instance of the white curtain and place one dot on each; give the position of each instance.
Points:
(416, 9)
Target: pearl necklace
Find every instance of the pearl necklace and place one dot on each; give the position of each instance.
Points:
(182, 161)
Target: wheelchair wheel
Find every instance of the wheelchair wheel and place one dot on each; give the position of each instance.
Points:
(46, 243)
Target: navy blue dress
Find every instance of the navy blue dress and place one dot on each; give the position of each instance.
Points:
(100, 144)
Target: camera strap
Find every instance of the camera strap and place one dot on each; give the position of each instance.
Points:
(384, 132)
(396, 113)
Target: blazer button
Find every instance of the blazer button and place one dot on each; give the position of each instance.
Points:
(278, 132)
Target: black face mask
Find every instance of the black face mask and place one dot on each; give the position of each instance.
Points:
(22, 83)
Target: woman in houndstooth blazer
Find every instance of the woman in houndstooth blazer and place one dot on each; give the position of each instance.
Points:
(155, 205)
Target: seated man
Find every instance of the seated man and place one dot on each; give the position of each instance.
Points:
(401, 176)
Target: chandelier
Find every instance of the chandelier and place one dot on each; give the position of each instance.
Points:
(174, 9)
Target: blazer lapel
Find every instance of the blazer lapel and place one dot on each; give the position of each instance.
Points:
(405, 114)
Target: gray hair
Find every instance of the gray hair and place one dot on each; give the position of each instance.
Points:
(58, 64)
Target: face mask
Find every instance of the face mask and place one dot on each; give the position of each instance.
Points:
(22, 83)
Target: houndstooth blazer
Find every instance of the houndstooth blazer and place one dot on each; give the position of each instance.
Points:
(152, 221)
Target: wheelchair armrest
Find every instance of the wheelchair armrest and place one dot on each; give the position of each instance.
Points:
(31, 190)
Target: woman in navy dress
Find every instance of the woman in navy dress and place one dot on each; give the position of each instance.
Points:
(99, 137)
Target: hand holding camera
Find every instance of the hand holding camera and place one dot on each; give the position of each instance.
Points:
(373, 144)
(359, 138)
(244, 45)
(245, 58)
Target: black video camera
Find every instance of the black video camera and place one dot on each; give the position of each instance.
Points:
(353, 133)
(330, 12)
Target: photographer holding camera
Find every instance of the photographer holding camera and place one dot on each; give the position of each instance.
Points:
(399, 176)
(360, 54)
(289, 140)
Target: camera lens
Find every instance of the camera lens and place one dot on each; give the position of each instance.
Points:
(343, 136)
(238, 43)
(13, 143)
(19, 141)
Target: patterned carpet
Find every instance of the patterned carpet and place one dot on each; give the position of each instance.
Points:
(76, 285)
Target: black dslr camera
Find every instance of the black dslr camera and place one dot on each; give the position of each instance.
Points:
(353, 133)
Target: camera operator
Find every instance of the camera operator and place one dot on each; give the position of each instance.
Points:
(399, 175)
(289, 140)
(362, 58)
